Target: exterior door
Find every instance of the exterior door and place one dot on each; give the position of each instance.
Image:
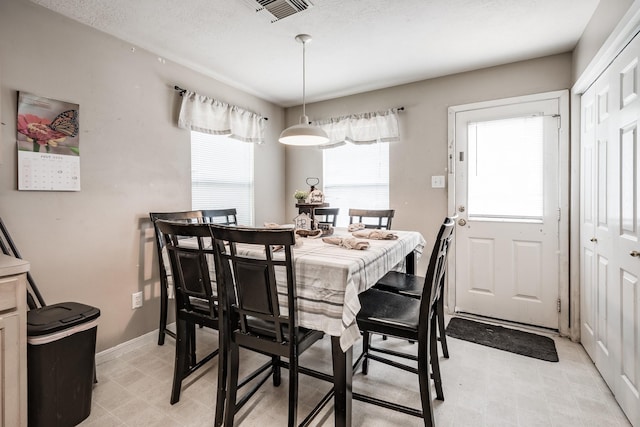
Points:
(507, 198)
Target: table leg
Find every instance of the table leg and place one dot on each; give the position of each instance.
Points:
(410, 263)
(342, 377)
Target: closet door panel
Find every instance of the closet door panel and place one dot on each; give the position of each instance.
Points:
(588, 281)
(623, 321)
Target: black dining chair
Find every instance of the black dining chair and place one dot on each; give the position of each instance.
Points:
(191, 256)
(405, 317)
(326, 215)
(165, 272)
(412, 285)
(220, 216)
(372, 218)
(266, 312)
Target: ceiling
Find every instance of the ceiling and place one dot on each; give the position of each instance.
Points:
(358, 45)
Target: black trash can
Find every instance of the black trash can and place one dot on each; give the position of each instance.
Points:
(61, 346)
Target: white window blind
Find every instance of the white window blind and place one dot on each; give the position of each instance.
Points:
(506, 166)
(222, 174)
(356, 176)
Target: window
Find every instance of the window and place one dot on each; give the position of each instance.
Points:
(222, 174)
(506, 168)
(356, 176)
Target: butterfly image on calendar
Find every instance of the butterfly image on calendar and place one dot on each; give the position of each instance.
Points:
(66, 123)
(48, 125)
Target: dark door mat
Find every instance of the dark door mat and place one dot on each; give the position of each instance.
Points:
(512, 340)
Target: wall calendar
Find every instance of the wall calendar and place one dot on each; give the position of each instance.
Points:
(48, 144)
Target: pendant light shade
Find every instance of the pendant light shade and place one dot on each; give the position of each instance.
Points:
(303, 133)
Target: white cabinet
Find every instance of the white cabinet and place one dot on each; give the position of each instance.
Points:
(13, 341)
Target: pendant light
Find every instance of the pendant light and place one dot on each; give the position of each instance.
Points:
(303, 133)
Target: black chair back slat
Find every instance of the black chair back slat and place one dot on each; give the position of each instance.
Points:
(326, 215)
(372, 218)
(220, 216)
(191, 266)
(185, 216)
(223, 216)
(434, 280)
(254, 279)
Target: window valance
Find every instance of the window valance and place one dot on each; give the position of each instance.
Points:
(208, 115)
(364, 128)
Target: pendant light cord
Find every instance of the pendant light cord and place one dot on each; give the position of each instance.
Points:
(304, 73)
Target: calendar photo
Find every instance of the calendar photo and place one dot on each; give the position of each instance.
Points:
(48, 144)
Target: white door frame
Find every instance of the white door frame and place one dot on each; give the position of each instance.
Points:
(563, 157)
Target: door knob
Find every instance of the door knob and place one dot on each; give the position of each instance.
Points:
(462, 221)
(635, 254)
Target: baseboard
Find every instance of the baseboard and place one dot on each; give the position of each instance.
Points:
(128, 346)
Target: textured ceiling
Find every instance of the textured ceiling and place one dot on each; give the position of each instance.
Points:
(358, 45)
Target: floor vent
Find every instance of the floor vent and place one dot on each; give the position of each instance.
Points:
(280, 9)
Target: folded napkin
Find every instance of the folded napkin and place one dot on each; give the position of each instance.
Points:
(276, 225)
(375, 234)
(347, 242)
(355, 226)
(298, 242)
(312, 234)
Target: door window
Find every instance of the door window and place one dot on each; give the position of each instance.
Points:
(505, 169)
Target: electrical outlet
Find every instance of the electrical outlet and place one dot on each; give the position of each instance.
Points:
(136, 300)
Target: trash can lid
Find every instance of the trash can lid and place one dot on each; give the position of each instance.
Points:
(56, 317)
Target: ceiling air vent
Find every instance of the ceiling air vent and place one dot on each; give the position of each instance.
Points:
(280, 9)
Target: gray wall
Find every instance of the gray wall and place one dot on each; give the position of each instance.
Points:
(603, 21)
(422, 151)
(96, 246)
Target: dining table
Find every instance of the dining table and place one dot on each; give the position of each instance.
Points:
(329, 278)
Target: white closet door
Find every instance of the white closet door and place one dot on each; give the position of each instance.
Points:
(610, 234)
(588, 162)
(623, 322)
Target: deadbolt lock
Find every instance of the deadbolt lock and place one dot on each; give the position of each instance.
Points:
(460, 208)
(594, 240)
(635, 254)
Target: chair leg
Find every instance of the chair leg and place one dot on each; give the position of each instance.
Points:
(223, 347)
(181, 359)
(433, 356)
(277, 371)
(232, 384)
(192, 345)
(163, 314)
(293, 391)
(366, 342)
(424, 378)
(441, 327)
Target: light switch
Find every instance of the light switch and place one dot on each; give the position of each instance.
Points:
(437, 181)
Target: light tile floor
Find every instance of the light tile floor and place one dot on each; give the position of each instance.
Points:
(482, 387)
